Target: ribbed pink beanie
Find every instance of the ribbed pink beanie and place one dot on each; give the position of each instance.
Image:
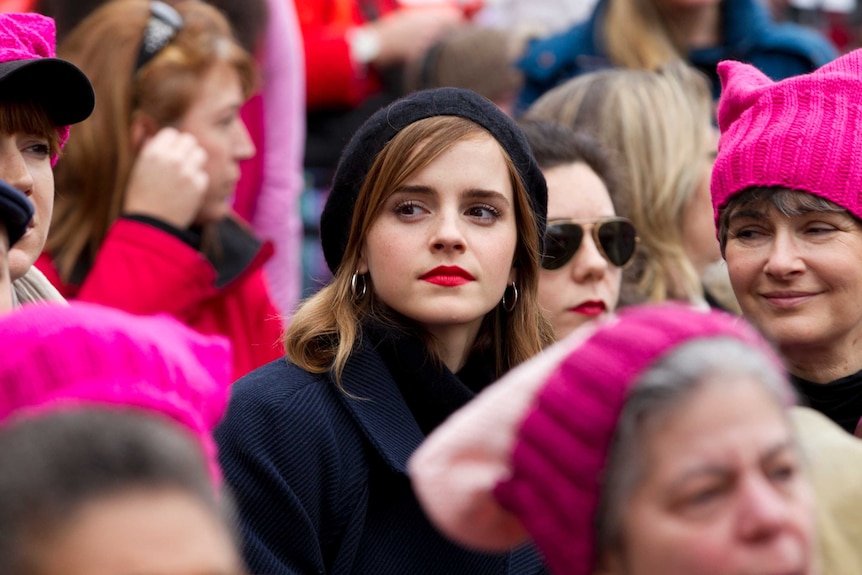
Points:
(802, 133)
(563, 443)
(83, 354)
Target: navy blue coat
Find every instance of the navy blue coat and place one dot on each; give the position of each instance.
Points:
(320, 478)
(779, 50)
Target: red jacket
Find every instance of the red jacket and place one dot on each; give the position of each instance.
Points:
(332, 80)
(144, 270)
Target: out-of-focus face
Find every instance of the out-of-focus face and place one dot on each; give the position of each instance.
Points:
(698, 225)
(441, 250)
(587, 286)
(25, 163)
(799, 280)
(723, 491)
(165, 532)
(213, 119)
(5, 282)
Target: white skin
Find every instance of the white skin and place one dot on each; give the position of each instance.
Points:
(407, 33)
(696, 22)
(187, 174)
(146, 531)
(5, 281)
(723, 492)
(457, 211)
(698, 232)
(799, 280)
(587, 286)
(25, 163)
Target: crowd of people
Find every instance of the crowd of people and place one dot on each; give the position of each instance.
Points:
(440, 287)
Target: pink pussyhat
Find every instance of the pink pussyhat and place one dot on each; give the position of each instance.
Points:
(30, 72)
(802, 133)
(60, 357)
(524, 459)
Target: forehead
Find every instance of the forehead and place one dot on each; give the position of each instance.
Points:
(575, 191)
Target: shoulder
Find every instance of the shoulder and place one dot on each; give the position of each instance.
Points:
(551, 56)
(799, 41)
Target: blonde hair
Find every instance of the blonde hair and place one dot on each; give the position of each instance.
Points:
(658, 126)
(637, 36)
(92, 180)
(326, 328)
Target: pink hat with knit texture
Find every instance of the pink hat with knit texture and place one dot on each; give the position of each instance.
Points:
(29, 71)
(802, 133)
(83, 354)
(563, 443)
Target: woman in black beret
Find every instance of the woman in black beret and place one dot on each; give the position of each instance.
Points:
(433, 231)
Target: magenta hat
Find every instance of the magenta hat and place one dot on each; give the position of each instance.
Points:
(802, 133)
(83, 354)
(563, 443)
(29, 71)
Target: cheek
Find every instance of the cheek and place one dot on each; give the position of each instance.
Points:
(670, 547)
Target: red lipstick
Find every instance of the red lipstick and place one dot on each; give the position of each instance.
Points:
(590, 308)
(447, 276)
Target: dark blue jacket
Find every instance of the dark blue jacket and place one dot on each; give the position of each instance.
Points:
(320, 478)
(779, 50)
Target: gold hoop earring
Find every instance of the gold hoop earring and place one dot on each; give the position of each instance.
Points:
(358, 286)
(509, 303)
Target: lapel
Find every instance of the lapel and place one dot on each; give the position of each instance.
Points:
(376, 403)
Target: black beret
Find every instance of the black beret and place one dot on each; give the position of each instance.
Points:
(373, 135)
(16, 211)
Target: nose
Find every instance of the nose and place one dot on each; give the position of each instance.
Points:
(764, 511)
(784, 259)
(446, 233)
(243, 145)
(14, 170)
(588, 263)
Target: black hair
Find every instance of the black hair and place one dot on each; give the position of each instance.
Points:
(51, 465)
(554, 144)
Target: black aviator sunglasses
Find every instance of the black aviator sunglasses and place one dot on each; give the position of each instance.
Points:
(615, 238)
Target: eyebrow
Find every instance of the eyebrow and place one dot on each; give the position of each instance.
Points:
(746, 214)
(471, 194)
(723, 471)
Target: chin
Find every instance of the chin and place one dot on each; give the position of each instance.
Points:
(20, 262)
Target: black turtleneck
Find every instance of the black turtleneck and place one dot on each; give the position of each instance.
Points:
(432, 392)
(839, 400)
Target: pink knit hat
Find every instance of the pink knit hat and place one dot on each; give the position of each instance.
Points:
(68, 356)
(802, 133)
(30, 71)
(524, 459)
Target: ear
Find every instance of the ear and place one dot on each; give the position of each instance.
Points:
(142, 129)
(361, 264)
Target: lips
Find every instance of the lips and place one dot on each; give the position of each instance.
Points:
(447, 276)
(590, 308)
(787, 299)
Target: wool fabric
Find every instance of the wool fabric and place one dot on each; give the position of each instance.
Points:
(380, 128)
(16, 211)
(60, 357)
(563, 443)
(29, 71)
(802, 133)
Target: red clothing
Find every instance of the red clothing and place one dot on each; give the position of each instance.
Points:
(144, 270)
(332, 80)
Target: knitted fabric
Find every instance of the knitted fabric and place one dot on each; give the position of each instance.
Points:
(29, 70)
(63, 356)
(379, 129)
(803, 133)
(16, 211)
(563, 443)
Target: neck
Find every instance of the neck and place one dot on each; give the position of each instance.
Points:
(455, 343)
(696, 26)
(822, 364)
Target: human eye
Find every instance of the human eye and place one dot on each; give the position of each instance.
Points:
(484, 213)
(819, 228)
(747, 233)
(408, 209)
(38, 149)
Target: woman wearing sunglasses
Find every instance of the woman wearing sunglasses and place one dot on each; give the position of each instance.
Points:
(658, 127)
(586, 244)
